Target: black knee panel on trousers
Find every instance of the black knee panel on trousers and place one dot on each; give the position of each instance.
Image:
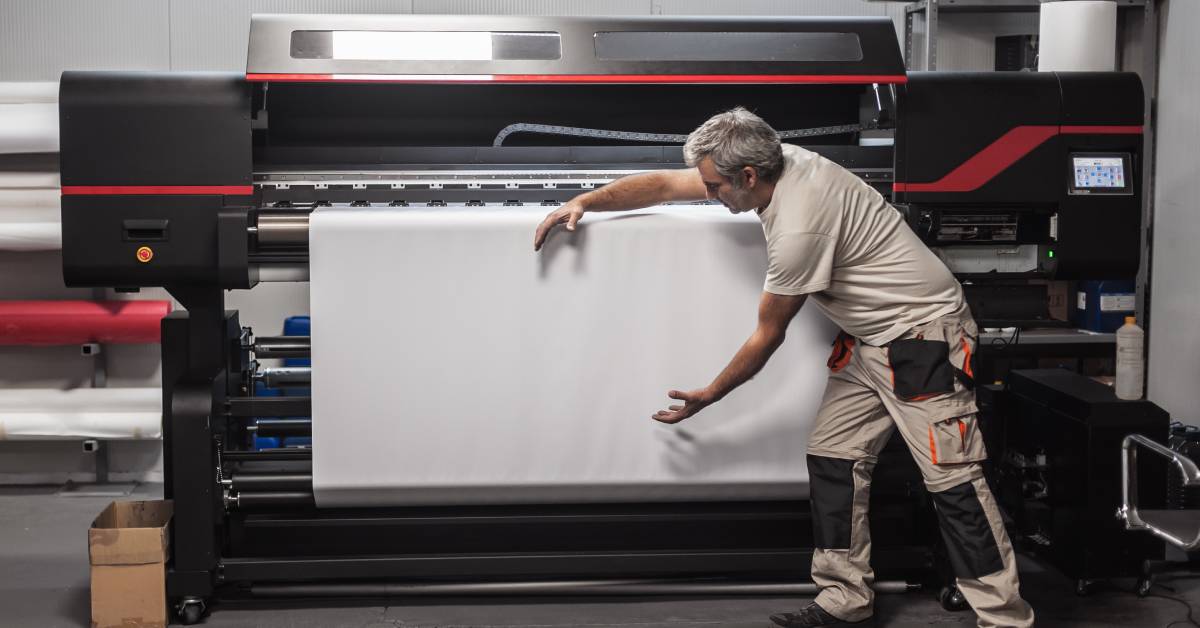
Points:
(970, 543)
(831, 494)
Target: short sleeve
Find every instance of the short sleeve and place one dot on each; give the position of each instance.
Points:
(799, 263)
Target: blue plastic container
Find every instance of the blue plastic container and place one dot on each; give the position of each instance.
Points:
(1102, 306)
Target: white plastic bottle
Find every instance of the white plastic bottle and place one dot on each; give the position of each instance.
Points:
(1131, 365)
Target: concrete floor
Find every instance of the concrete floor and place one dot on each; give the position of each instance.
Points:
(44, 583)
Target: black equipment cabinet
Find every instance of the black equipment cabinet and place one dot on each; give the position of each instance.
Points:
(1059, 436)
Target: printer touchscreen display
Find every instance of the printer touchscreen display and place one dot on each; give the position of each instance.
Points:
(1099, 174)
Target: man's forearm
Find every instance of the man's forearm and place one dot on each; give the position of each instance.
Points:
(631, 192)
(746, 363)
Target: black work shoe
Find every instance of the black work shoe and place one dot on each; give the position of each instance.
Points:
(812, 615)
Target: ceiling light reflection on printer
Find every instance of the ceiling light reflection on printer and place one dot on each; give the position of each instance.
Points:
(412, 45)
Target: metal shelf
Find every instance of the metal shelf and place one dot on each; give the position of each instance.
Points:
(931, 9)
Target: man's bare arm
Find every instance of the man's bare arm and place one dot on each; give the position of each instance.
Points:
(632, 192)
(775, 312)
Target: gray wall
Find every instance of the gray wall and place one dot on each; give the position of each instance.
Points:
(1174, 369)
(41, 38)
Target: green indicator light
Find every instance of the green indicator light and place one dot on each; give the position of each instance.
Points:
(1050, 254)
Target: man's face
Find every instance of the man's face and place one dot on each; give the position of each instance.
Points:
(737, 200)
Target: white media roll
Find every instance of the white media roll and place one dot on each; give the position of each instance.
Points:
(79, 413)
(22, 199)
(29, 128)
(453, 364)
(31, 236)
(28, 180)
(1078, 35)
(22, 92)
(30, 220)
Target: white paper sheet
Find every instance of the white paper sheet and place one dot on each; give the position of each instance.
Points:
(452, 364)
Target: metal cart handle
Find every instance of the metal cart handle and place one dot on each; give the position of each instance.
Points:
(1128, 512)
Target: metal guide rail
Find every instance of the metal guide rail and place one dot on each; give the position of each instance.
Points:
(665, 138)
(446, 187)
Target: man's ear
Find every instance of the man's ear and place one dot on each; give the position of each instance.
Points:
(749, 176)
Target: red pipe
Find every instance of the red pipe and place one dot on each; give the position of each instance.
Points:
(79, 322)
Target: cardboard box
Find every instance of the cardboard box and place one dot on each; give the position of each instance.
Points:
(128, 546)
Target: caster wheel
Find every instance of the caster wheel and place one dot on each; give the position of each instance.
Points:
(190, 610)
(1083, 588)
(952, 599)
(1143, 586)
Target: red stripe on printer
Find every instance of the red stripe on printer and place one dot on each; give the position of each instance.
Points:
(231, 190)
(1101, 130)
(585, 78)
(1002, 153)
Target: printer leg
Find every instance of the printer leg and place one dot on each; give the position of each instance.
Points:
(195, 351)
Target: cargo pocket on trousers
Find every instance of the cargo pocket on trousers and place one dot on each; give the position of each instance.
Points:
(843, 349)
(956, 440)
(921, 368)
(966, 373)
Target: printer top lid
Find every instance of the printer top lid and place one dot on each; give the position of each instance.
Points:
(532, 49)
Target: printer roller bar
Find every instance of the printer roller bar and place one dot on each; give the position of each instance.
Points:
(285, 376)
(496, 180)
(271, 347)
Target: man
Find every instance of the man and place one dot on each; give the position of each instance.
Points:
(902, 360)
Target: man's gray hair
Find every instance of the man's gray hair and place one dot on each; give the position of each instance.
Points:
(733, 140)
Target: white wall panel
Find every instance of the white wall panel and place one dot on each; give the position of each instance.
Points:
(534, 7)
(331, 6)
(209, 34)
(41, 38)
(773, 7)
(1175, 295)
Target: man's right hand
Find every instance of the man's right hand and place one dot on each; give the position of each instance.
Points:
(569, 213)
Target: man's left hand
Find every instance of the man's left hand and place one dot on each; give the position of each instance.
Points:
(693, 402)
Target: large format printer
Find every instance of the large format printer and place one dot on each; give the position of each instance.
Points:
(203, 182)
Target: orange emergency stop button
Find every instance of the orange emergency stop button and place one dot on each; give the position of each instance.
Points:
(145, 254)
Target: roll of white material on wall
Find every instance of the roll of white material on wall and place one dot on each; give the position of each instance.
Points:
(30, 220)
(31, 236)
(27, 198)
(29, 128)
(79, 413)
(10, 215)
(29, 180)
(20, 92)
(466, 368)
(1078, 35)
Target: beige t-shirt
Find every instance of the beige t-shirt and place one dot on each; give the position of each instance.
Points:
(832, 235)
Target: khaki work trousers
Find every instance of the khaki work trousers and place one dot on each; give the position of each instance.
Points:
(920, 384)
